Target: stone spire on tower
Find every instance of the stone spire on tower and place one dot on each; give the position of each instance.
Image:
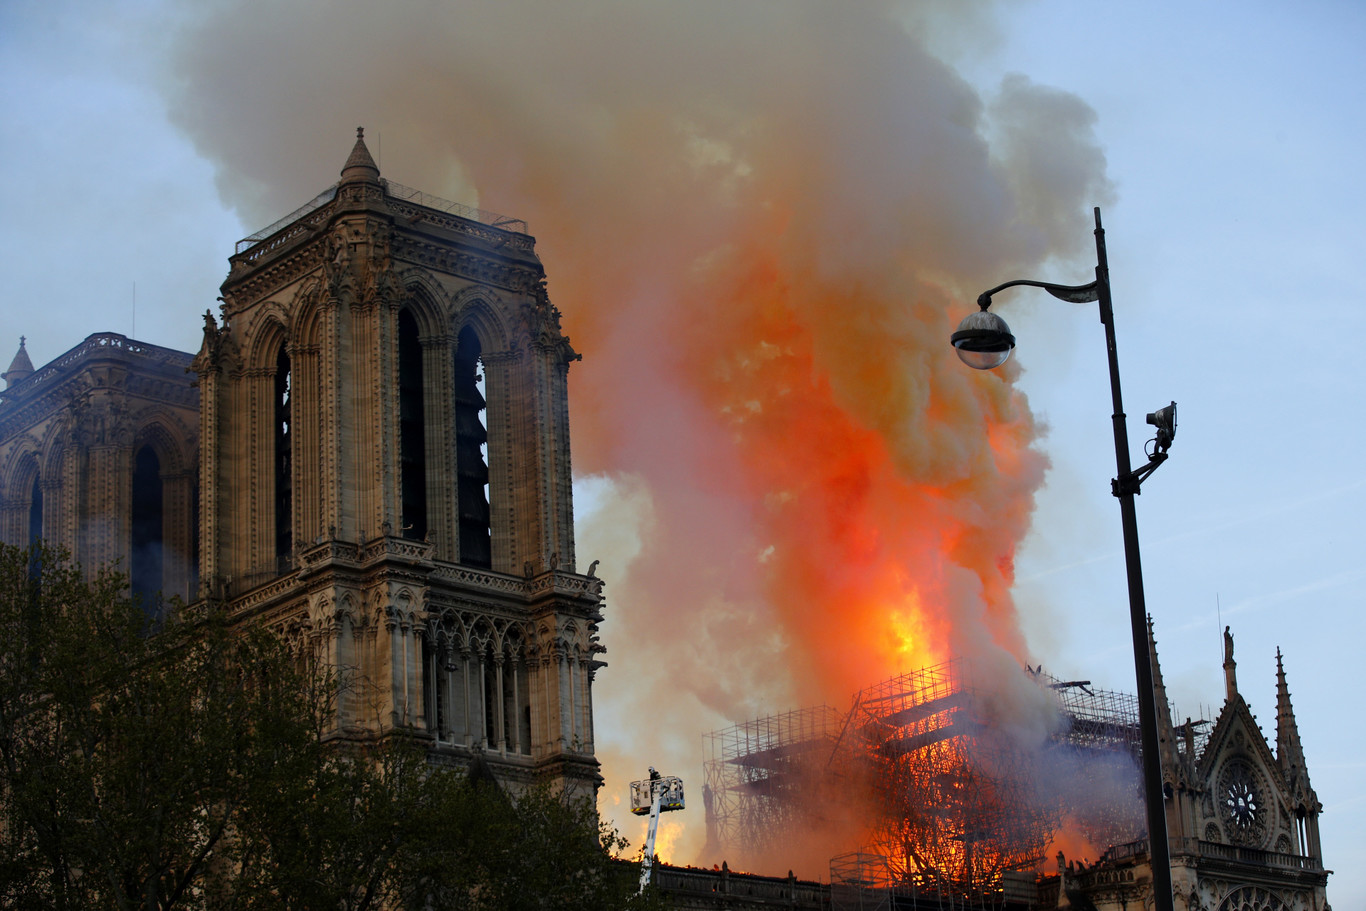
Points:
(1289, 753)
(1166, 737)
(359, 166)
(19, 368)
(1305, 804)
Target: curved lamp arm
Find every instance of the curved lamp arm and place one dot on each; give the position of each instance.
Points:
(1076, 294)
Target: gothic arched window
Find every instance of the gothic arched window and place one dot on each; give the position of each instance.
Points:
(412, 432)
(35, 528)
(492, 713)
(35, 512)
(284, 461)
(146, 557)
(471, 465)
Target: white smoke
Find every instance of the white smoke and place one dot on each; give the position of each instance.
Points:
(740, 206)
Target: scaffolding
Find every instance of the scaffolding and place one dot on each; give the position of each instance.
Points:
(860, 881)
(959, 805)
(761, 775)
(1095, 718)
(954, 805)
(1099, 746)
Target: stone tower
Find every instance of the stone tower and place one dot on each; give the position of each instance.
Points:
(98, 456)
(385, 474)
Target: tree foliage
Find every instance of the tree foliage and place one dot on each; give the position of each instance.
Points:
(174, 762)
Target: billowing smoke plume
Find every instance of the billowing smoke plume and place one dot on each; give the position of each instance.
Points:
(762, 220)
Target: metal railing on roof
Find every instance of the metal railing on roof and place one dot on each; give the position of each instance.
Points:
(317, 202)
(395, 191)
(483, 216)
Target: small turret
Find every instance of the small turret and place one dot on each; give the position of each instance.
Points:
(359, 166)
(1289, 752)
(1166, 736)
(1290, 757)
(20, 368)
(1178, 769)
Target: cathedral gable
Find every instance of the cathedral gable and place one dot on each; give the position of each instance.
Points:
(1246, 801)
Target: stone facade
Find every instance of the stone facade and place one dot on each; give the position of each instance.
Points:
(369, 453)
(98, 454)
(1242, 818)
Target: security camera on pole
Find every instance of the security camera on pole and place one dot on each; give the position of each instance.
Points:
(654, 795)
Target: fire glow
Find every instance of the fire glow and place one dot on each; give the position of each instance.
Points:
(761, 228)
(823, 412)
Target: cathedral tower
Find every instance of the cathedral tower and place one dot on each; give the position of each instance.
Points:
(385, 473)
(98, 453)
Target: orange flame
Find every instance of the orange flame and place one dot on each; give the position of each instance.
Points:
(762, 227)
(876, 551)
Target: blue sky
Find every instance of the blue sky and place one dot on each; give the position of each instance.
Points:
(1235, 245)
(1235, 241)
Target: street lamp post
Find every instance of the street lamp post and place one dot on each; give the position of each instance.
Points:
(983, 341)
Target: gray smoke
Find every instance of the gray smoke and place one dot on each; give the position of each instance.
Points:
(739, 205)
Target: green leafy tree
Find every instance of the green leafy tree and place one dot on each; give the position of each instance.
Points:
(130, 744)
(484, 851)
(159, 762)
